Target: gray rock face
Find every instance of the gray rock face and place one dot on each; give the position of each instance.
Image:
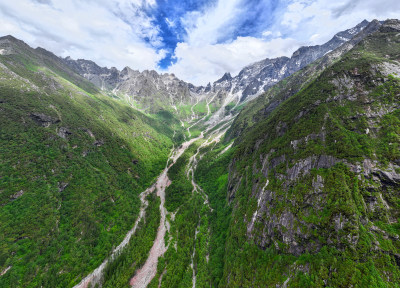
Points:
(321, 198)
(62, 186)
(43, 120)
(148, 88)
(63, 132)
(9, 45)
(98, 143)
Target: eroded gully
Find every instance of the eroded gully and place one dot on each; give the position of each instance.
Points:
(145, 274)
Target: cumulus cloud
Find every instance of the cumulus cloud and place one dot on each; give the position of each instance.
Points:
(217, 21)
(266, 33)
(206, 63)
(204, 58)
(217, 36)
(109, 32)
(324, 18)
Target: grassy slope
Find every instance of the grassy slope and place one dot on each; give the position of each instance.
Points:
(78, 198)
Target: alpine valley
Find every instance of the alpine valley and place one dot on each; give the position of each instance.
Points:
(285, 175)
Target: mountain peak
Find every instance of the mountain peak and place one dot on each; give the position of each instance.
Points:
(9, 37)
(227, 77)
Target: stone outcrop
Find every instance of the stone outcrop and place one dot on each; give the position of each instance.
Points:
(43, 119)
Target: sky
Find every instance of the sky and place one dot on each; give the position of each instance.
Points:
(198, 41)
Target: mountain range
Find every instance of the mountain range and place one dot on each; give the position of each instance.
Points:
(251, 81)
(285, 175)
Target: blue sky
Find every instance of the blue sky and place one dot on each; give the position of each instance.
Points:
(198, 41)
(169, 16)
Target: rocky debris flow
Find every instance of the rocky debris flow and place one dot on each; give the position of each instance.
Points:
(96, 276)
(145, 274)
(17, 195)
(194, 278)
(5, 271)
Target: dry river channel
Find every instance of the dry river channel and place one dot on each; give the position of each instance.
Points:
(145, 274)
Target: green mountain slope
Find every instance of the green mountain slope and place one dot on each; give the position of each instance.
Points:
(304, 191)
(314, 186)
(72, 164)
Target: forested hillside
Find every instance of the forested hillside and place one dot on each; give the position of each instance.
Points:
(196, 187)
(72, 164)
(316, 180)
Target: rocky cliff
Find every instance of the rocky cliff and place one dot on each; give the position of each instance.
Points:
(322, 174)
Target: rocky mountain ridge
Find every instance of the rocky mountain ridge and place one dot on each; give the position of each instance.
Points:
(136, 86)
(258, 77)
(272, 98)
(166, 90)
(251, 81)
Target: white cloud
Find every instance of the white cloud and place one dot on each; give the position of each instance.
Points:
(304, 19)
(170, 23)
(85, 29)
(295, 14)
(208, 26)
(314, 38)
(111, 32)
(302, 22)
(206, 63)
(201, 59)
(267, 33)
